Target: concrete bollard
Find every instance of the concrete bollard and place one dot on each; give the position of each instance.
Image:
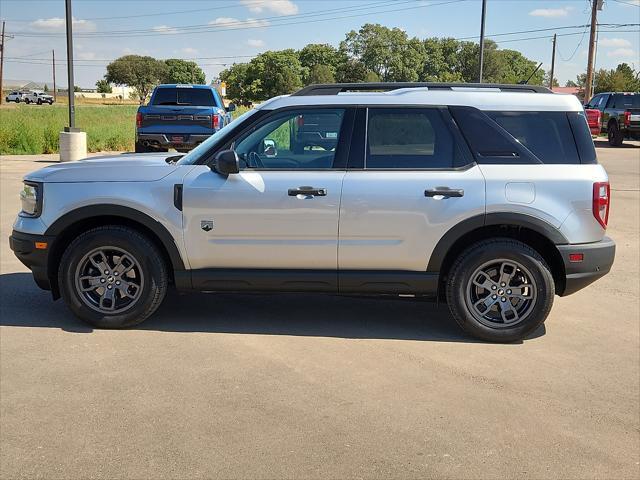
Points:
(73, 146)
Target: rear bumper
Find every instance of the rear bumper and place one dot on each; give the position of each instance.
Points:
(164, 140)
(597, 261)
(35, 259)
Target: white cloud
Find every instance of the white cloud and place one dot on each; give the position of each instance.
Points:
(165, 29)
(255, 43)
(57, 24)
(621, 52)
(229, 22)
(550, 12)
(86, 55)
(189, 51)
(281, 7)
(614, 42)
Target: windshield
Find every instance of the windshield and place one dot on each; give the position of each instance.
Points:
(194, 155)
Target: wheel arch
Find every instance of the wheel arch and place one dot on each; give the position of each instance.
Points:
(73, 223)
(538, 234)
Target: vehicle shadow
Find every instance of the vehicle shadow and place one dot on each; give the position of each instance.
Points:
(604, 143)
(315, 315)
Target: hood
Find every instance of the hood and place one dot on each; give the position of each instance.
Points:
(145, 167)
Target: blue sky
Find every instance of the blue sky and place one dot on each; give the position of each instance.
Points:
(224, 31)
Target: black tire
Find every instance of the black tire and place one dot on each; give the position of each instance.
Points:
(614, 135)
(27, 101)
(39, 102)
(460, 290)
(140, 148)
(152, 276)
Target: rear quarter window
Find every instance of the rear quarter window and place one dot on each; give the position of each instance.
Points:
(509, 137)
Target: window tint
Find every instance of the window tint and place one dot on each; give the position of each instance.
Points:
(582, 136)
(296, 139)
(184, 96)
(624, 101)
(546, 134)
(489, 143)
(408, 139)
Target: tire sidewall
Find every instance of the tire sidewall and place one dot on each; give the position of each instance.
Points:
(509, 250)
(144, 252)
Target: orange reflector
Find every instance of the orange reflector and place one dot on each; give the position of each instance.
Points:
(41, 245)
(576, 257)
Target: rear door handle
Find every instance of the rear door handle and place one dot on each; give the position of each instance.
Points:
(308, 191)
(445, 192)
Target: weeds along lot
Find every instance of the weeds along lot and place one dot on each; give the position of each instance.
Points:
(34, 129)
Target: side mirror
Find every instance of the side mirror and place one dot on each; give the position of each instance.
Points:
(231, 107)
(269, 148)
(226, 163)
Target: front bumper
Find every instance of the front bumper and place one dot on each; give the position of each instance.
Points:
(35, 259)
(597, 261)
(165, 140)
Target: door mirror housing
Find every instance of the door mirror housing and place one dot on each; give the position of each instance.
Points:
(226, 163)
(270, 148)
(231, 107)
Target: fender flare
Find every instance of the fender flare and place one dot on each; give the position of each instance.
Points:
(128, 213)
(495, 218)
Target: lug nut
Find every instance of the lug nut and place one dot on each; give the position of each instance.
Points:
(504, 299)
(503, 284)
(493, 287)
(109, 287)
(106, 272)
(494, 296)
(115, 273)
(117, 282)
(508, 292)
(102, 280)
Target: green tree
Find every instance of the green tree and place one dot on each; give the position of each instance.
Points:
(76, 88)
(320, 54)
(388, 52)
(102, 86)
(320, 74)
(138, 72)
(239, 90)
(45, 88)
(274, 73)
(183, 71)
(354, 71)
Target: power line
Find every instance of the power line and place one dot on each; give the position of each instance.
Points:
(247, 24)
(628, 3)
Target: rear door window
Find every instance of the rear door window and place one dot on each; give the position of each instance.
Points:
(625, 101)
(406, 138)
(197, 97)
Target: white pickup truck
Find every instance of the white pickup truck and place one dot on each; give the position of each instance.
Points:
(37, 97)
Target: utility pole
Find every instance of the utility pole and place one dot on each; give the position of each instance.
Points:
(588, 88)
(553, 62)
(72, 109)
(1, 62)
(484, 13)
(53, 64)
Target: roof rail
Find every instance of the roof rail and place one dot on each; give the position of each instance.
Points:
(336, 88)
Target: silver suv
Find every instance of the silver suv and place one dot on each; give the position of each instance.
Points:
(487, 196)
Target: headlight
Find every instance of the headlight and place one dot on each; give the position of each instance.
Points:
(31, 199)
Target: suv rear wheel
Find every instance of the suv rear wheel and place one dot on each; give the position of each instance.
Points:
(500, 290)
(112, 277)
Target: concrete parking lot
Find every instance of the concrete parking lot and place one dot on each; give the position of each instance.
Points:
(312, 386)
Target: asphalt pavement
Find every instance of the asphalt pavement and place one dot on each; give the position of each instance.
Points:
(315, 386)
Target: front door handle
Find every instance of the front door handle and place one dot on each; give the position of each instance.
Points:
(445, 192)
(308, 192)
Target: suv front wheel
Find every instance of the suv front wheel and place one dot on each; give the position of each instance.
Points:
(112, 277)
(500, 290)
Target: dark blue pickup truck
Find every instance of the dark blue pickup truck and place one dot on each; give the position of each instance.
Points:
(180, 117)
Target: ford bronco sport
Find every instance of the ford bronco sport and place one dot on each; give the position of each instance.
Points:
(487, 196)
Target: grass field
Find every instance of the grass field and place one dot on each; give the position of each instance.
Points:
(34, 129)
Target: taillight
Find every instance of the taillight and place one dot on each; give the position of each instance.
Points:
(601, 202)
(215, 121)
(138, 120)
(627, 119)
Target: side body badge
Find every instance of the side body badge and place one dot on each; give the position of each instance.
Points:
(206, 225)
